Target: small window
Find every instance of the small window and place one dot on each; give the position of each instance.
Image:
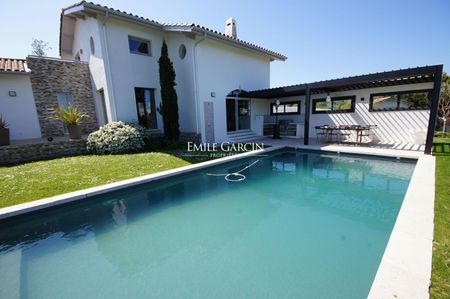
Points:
(285, 108)
(91, 44)
(64, 99)
(395, 101)
(182, 51)
(336, 105)
(139, 46)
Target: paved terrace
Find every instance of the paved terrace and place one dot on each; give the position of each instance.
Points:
(404, 150)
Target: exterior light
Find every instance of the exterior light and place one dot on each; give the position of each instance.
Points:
(277, 103)
(328, 99)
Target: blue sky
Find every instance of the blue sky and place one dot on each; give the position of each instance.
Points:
(322, 39)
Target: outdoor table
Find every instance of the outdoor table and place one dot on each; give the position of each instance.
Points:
(359, 130)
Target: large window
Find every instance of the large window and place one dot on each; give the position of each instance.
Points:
(285, 108)
(405, 100)
(336, 105)
(146, 108)
(139, 46)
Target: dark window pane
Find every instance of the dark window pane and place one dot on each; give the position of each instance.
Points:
(414, 100)
(138, 46)
(385, 102)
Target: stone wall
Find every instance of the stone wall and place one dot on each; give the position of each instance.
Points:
(11, 154)
(52, 76)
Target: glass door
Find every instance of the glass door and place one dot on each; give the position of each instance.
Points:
(231, 114)
(243, 114)
(145, 104)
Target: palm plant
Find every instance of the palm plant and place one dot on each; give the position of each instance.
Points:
(3, 123)
(70, 115)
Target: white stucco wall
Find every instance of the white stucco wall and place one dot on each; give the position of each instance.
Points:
(393, 126)
(184, 78)
(20, 111)
(84, 29)
(128, 70)
(221, 69)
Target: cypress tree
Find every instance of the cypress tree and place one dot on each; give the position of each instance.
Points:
(169, 100)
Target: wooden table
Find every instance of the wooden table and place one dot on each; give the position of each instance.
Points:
(358, 129)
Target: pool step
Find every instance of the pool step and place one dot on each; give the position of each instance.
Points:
(242, 136)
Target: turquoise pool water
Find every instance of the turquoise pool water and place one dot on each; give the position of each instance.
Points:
(301, 225)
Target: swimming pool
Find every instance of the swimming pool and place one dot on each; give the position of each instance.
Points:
(300, 224)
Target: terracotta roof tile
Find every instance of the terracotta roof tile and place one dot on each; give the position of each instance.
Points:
(13, 65)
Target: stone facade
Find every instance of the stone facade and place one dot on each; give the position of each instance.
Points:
(40, 151)
(52, 76)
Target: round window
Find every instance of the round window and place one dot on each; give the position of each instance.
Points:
(91, 43)
(182, 51)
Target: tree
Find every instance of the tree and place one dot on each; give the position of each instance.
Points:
(444, 102)
(39, 47)
(169, 100)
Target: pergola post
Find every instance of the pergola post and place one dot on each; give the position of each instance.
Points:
(307, 114)
(434, 109)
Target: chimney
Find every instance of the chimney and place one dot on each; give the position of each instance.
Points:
(230, 28)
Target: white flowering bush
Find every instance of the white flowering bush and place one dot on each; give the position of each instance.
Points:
(117, 138)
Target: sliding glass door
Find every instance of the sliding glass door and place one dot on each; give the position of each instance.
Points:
(243, 114)
(238, 114)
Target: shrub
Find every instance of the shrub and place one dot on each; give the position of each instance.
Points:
(117, 138)
(70, 115)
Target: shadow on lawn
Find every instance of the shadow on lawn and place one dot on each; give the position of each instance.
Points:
(441, 148)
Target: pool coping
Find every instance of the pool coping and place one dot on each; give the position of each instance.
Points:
(405, 268)
(406, 265)
(61, 199)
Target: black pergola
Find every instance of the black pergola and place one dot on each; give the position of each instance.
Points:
(390, 78)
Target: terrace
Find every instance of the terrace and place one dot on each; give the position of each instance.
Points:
(393, 110)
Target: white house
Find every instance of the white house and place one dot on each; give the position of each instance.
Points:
(123, 50)
(223, 85)
(16, 99)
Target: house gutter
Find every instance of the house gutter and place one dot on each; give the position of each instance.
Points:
(196, 91)
(107, 65)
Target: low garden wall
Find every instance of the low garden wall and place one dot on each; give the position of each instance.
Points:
(40, 151)
(20, 153)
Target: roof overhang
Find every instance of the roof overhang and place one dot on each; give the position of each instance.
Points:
(390, 78)
(238, 43)
(84, 9)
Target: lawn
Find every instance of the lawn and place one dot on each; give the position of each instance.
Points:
(440, 282)
(36, 180)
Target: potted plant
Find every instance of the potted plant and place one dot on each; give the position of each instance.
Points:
(72, 118)
(4, 131)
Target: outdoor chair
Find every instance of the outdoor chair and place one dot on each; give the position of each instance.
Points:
(333, 133)
(369, 132)
(320, 133)
(344, 133)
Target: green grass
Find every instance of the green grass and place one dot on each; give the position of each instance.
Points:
(440, 282)
(36, 180)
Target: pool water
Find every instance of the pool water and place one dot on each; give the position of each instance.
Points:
(300, 225)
